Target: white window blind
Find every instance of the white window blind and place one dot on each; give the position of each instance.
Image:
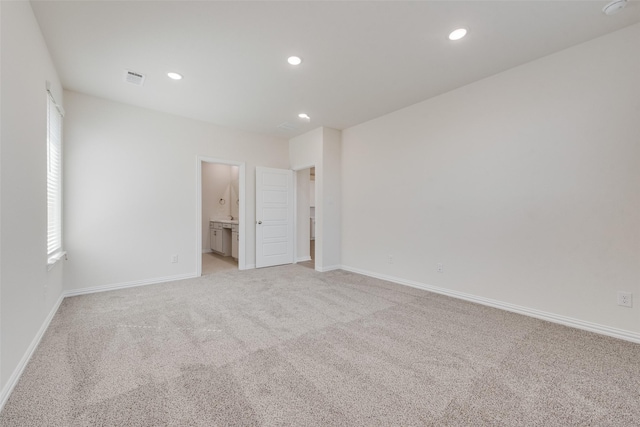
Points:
(54, 179)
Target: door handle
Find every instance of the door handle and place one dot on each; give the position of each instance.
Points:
(259, 222)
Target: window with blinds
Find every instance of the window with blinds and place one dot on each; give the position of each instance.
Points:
(54, 180)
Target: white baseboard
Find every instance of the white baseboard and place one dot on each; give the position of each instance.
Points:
(329, 268)
(15, 376)
(249, 266)
(206, 251)
(132, 284)
(531, 312)
(303, 259)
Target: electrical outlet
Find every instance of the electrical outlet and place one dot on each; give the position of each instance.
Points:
(390, 259)
(174, 258)
(625, 299)
(440, 268)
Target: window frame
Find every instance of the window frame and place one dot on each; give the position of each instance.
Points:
(55, 115)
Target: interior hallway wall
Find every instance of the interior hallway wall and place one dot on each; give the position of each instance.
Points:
(304, 151)
(131, 189)
(322, 147)
(524, 185)
(331, 198)
(28, 292)
(303, 230)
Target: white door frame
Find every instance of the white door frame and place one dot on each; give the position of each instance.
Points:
(242, 259)
(295, 213)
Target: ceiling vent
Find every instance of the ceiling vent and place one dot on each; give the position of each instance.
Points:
(287, 126)
(133, 78)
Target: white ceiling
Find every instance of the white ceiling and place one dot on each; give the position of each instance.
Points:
(361, 59)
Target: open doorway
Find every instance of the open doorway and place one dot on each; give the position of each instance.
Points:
(306, 216)
(220, 216)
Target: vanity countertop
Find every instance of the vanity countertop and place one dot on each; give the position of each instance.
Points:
(224, 221)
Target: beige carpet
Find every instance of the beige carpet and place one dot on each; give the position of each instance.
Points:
(291, 346)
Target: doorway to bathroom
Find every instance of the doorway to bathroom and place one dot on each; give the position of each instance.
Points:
(220, 216)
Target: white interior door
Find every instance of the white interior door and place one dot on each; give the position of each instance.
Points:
(274, 217)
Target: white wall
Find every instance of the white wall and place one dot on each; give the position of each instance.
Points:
(28, 291)
(131, 189)
(312, 194)
(525, 185)
(331, 198)
(234, 197)
(216, 185)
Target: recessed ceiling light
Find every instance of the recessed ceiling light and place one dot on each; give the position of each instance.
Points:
(175, 76)
(304, 116)
(614, 7)
(458, 34)
(294, 60)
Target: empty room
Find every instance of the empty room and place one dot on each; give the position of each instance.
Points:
(320, 213)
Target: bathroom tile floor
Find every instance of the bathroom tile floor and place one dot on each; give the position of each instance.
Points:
(213, 263)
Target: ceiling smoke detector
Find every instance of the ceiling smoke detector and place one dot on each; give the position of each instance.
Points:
(287, 126)
(614, 7)
(134, 78)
